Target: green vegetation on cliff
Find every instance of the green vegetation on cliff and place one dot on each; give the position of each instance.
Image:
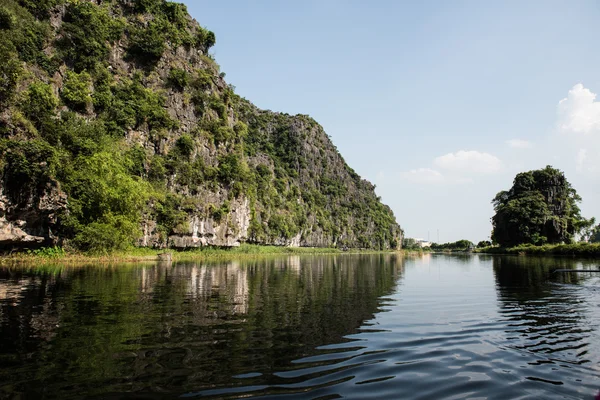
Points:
(117, 129)
(540, 208)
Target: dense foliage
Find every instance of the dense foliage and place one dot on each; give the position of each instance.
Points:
(411, 244)
(541, 207)
(592, 233)
(595, 237)
(86, 33)
(94, 103)
(460, 245)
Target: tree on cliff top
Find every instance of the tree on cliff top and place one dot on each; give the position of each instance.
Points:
(541, 207)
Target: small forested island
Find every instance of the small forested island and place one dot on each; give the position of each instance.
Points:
(540, 214)
(118, 130)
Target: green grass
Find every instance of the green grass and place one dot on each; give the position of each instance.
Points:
(246, 250)
(58, 255)
(48, 252)
(576, 249)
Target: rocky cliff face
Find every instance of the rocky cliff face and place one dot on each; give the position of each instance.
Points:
(31, 221)
(119, 104)
(541, 207)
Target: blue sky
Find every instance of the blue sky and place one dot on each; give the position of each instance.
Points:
(439, 103)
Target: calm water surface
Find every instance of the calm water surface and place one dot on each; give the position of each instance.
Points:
(326, 327)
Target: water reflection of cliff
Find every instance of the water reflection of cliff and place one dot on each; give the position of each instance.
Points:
(183, 326)
(550, 312)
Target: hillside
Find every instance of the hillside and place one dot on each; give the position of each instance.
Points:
(118, 128)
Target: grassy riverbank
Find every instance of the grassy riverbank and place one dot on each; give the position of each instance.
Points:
(577, 249)
(146, 254)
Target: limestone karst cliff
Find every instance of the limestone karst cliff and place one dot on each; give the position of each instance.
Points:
(118, 128)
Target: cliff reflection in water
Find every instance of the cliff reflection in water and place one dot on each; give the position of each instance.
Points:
(176, 327)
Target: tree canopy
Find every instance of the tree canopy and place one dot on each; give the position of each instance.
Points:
(541, 207)
(592, 233)
(460, 245)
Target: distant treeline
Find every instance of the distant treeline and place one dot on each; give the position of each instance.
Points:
(575, 249)
(460, 245)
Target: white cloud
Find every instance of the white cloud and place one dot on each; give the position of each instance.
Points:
(469, 161)
(432, 176)
(578, 123)
(458, 167)
(581, 160)
(519, 144)
(422, 175)
(579, 112)
(584, 164)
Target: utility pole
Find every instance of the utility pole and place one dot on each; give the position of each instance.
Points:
(438, 236)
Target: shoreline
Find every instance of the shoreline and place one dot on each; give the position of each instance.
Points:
(249, 251)
(246, 251)
(585, 250)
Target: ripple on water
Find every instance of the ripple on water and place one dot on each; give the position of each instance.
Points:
(526, 349)
(435, 328)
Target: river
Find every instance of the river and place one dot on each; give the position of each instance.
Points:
(303, 327)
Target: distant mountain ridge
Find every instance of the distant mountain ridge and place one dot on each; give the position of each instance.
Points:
(118, 128)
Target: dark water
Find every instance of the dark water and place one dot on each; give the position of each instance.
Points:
(328, 327)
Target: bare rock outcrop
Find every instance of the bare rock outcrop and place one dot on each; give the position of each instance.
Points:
(31, 223)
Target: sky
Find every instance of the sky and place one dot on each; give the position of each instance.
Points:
(438, 103)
